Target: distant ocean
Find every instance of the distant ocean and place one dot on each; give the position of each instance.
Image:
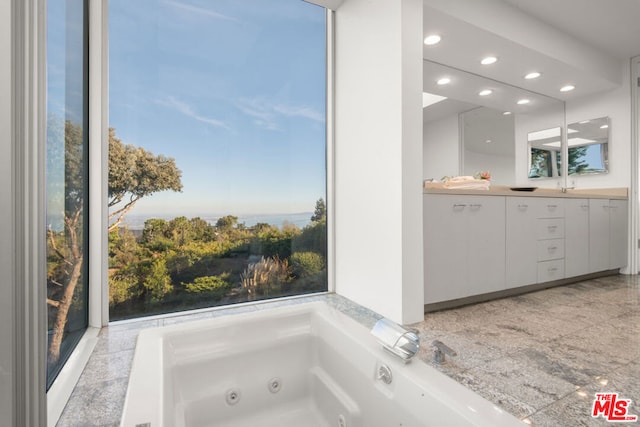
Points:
(136, 222)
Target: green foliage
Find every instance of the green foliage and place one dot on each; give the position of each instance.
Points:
(320, 212)
(577, 163)
(212, 286)
(189, 263)
(157, 282)
(306, 264)
(226, 223)
(123, 287)
(313, 238)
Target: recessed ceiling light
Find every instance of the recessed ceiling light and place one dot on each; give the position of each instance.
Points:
(488, 60)
(524, 101)
(485, 92)
(488, 141)
(432, 39)
(584, 121)
(444, 81)
(567, 88)
(604, 126)
(533, 75)
(506, 113)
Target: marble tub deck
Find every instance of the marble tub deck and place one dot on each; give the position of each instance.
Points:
(540, 356)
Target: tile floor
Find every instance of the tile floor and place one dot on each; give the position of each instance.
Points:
(540, 356)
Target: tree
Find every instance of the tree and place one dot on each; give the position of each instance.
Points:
(135, 173)
(320, 212)
(65, 247)
(157, 282)
(226, 223)
(577, 163)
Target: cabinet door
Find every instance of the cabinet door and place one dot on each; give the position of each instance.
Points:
(618, 234)
(576, 229)
(445, 247)
(486, 248)
(550, 207)
(599, 235)
(521, 247)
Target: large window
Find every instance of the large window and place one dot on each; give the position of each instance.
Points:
(66, 179)
(217, 165)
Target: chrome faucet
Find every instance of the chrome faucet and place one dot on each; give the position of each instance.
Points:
(440, 349)
(564, 189)
(396, 339)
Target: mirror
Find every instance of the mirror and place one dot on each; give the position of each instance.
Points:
(588, 147)
(545, 153)
(488, 138)
(458, 122)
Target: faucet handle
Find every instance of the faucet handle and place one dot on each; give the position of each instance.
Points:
(440, 350)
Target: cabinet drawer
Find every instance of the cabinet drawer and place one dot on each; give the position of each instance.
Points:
(550, 249)
(552, 228)
(550, 270)
(551, 208)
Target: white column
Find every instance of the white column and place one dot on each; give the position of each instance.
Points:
(7, 313)
(23, 211)
(98, 164)
(378, 156)
(634, 204)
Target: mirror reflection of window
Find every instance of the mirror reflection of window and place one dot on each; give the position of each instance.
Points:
(588, 146)
(545, 153)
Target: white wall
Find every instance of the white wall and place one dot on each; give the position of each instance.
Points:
(378, 156)
(441, 152)
(6, 218)
(502, 170)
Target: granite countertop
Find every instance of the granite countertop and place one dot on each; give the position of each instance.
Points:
(621, 193)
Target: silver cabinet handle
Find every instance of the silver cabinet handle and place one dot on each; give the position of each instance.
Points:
(477, 205)
(459, 205)
(552, 269)
(552, 206)
(552, 227)
(523, 206)
(552, 248)
(584, 206)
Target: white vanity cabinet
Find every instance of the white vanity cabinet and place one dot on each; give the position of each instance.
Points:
(618, 233)
(521, 241)
(476, 245)
(464, 246)
(576, 228)
(608, 234)
(534, 240)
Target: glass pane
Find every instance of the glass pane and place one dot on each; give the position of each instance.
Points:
(66, 180)
(217, 173)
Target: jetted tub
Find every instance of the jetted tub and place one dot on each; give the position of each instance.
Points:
(302, 365)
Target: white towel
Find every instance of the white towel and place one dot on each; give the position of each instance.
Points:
(468, 184)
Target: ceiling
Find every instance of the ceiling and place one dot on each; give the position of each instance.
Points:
(609, 25)
(528, 36)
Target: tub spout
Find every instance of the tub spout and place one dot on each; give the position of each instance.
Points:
(396, 339)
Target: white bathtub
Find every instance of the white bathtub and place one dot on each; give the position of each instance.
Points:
(298, 366)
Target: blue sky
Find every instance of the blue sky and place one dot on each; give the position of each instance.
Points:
(234, 90)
